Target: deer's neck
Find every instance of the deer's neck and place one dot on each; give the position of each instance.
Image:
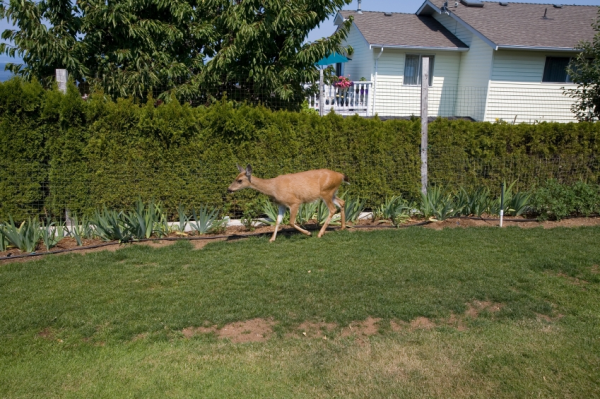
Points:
(265, 186)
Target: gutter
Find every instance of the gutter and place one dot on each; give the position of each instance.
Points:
(537, 48)
(408, 47)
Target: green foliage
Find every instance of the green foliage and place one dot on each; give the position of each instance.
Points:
(111, 225)
(584, 70)
(183, 218)
(271, 210)
(80, 229)
(556, 201)
(143, 222)
(60, 152)
(204, 219)
(437, 204)
(130, 48)
(25, 237)
(52, 233)
(307, 212)
(353, 207)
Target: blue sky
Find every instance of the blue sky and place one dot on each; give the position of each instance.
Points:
(410, 6)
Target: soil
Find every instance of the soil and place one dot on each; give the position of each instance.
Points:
(255, 330)
(239, 232)
(260, 330)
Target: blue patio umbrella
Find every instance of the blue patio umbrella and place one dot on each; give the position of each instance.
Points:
(334, 58)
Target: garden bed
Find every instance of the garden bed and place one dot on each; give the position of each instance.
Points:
(236, 231)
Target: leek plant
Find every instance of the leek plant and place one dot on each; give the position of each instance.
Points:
(306, 212)
(144, 221)
(51, 234)
(3, 240)
(111, 225)
(436, 204)
(183, 218)
(80, 229)
(25, 237)
(272, 211)
(474, 203)
(203, 219)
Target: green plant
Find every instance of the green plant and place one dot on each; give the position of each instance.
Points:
(554, 200)
(437, 204)
(183, 218)
(518, 204)
(306, 212)
(111, 225)
(474, 202)
(3, 240)
(144, 221)
(353, 207)
(248, 220)
(271, 210)
(396, 209)
(51, 234)
(219, 226)
(25, 237)
(80, 229)
(322, 212)
(203, 219)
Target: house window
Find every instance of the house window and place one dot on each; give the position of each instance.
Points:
(339, 70)
(412, 69)
(555, 70)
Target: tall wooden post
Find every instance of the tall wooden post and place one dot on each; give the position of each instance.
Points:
(321, 93)
(62, 76)
(424, 120)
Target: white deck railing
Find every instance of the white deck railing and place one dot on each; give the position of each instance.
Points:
(352, 100)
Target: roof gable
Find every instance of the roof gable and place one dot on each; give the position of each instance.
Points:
(403, 30)
(522, 25)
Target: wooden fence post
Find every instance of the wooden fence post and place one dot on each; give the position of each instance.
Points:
(62, 76)
(321, 93)
(424, 120)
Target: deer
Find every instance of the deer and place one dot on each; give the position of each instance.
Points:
(292, 190)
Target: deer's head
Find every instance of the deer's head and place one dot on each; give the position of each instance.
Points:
(242, 180)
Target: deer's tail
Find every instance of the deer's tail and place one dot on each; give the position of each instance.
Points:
(346, 179)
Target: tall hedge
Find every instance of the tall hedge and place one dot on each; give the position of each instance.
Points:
(58, 151)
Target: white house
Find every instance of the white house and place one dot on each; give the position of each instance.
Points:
(488, 60)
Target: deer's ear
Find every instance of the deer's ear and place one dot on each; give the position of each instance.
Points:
(249, 172)
(240, 168)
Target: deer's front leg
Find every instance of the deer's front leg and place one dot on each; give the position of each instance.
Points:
(279, 219)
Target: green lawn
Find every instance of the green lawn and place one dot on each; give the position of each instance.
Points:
(110, 324)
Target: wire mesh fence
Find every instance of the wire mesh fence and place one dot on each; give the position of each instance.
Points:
(38, 190)
(386, 97)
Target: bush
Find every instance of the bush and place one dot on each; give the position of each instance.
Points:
(556, 201)
(59, 152)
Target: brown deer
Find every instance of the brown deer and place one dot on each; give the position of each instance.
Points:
(292, 190)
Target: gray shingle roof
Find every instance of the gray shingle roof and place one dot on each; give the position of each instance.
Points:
(403, 30)
(523, 24)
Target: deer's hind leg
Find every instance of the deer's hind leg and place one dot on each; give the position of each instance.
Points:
(331, 206)
(293, 212)
(340, 203)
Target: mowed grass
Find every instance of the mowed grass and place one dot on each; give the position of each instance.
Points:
(110, 324)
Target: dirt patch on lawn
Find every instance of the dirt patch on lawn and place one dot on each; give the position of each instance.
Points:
(422, 323)
(255, 330)
(367, 327)
(476, 307)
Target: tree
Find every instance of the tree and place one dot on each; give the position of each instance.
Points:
(251, 49)
(584, 70)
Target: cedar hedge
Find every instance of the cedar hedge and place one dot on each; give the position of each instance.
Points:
(59, 151)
